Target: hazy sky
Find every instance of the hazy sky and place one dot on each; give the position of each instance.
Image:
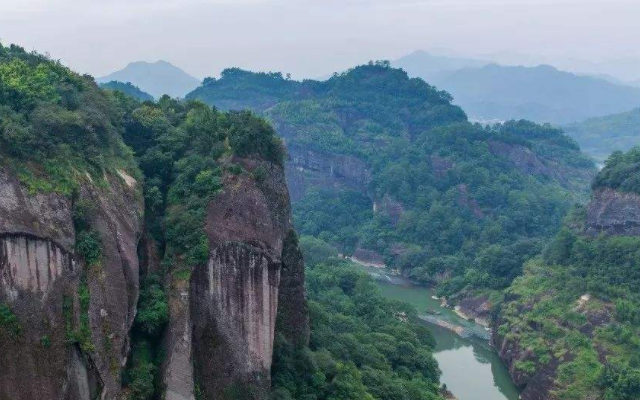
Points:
(311, 38)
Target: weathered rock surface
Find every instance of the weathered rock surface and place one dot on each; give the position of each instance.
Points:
(177, 367)
(613, 213)
(39, 280)
(368, 257)
(476, 308)
(314, 169)
(536, 386)
(528, 162)
(389, 207)
(234, 298)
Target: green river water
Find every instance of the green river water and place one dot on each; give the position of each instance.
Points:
(471, 369)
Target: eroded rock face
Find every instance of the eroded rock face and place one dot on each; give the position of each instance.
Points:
(177, 368)
(528, 162)
(536, 386)
(40, 276)
(613, 213)
(234, 298)
(476, 308)
(314, 169)
(31, 264)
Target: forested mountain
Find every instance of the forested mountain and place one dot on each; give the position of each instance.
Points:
(137, 270)
(599, 137)
(541, 94)
(128, 89)
(386, 169)
(570, 327)
(157, 79)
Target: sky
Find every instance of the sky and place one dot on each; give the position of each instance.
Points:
(313, 38)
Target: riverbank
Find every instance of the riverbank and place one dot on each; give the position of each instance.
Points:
(471, 369)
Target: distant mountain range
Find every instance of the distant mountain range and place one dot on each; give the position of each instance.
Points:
(156, 78)
(488, 91)
(599, 137)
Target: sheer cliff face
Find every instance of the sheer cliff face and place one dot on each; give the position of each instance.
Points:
(614, 213)
(40, 280)
(314, 169)
(233, 300)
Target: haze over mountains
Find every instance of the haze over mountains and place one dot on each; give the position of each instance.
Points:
(488, 91)
(157, 79)
(599, 137)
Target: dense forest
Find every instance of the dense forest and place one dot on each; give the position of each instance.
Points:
(54, 117)
(363, 346)
(577, 309)
(446, 201)
(474, 209)
(128, 89)
(59, 132)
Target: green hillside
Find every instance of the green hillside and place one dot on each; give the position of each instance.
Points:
(599, 137)
(471, 203)
(128, 89)
(576, 311)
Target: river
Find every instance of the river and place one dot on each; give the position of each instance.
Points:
(471, 369)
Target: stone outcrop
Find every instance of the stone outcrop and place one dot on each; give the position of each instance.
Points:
(40, 277)
(535, 386)
(613, 213)
(475, 308)
(234, 298)
(528, 162)
(177, 367)
(368, 257)
(314, 169)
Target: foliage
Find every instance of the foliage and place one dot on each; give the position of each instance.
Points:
(48, 113)
(621, 172)
(140, 375)
(127, 88)
(153, 310)
(9, 321)
(363, 346)
(579, 302)
(183, 149)
(470, 195)
(89, 247)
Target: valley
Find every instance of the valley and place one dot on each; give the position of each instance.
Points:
(471, 368)
(363, 237)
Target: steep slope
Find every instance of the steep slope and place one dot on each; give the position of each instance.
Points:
(70, 219)
(139, 275)
(385, 168)
(218, 209)
(541, 94)
(568, 329)
(599, 137)
(128, 89)
(157, 79)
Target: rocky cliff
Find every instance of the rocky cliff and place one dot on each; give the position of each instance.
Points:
(613, 212)
(142, 271)
(315, 169)
(224, 318)
(74, 319)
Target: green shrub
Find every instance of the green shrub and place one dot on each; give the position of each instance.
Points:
(153, 309)
(9, 321)
(89, 247)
